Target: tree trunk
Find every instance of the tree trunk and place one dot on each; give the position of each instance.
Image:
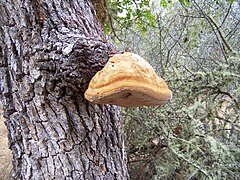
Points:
(49, 51)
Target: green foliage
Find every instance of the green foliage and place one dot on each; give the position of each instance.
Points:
(185, 2)
(125, 14)
(165, 3)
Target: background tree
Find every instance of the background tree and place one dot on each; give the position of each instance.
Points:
(49, 50)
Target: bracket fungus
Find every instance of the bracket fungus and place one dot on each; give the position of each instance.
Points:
(128, 80)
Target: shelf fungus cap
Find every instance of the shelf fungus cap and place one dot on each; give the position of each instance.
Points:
(128, 80)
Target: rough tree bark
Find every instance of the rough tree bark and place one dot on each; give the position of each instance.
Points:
(49, 51)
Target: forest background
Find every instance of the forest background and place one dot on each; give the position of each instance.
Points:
(194, 46)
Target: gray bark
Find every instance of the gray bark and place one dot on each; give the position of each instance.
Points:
(49, 51)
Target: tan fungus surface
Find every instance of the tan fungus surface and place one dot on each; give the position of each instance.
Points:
(130, 81)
